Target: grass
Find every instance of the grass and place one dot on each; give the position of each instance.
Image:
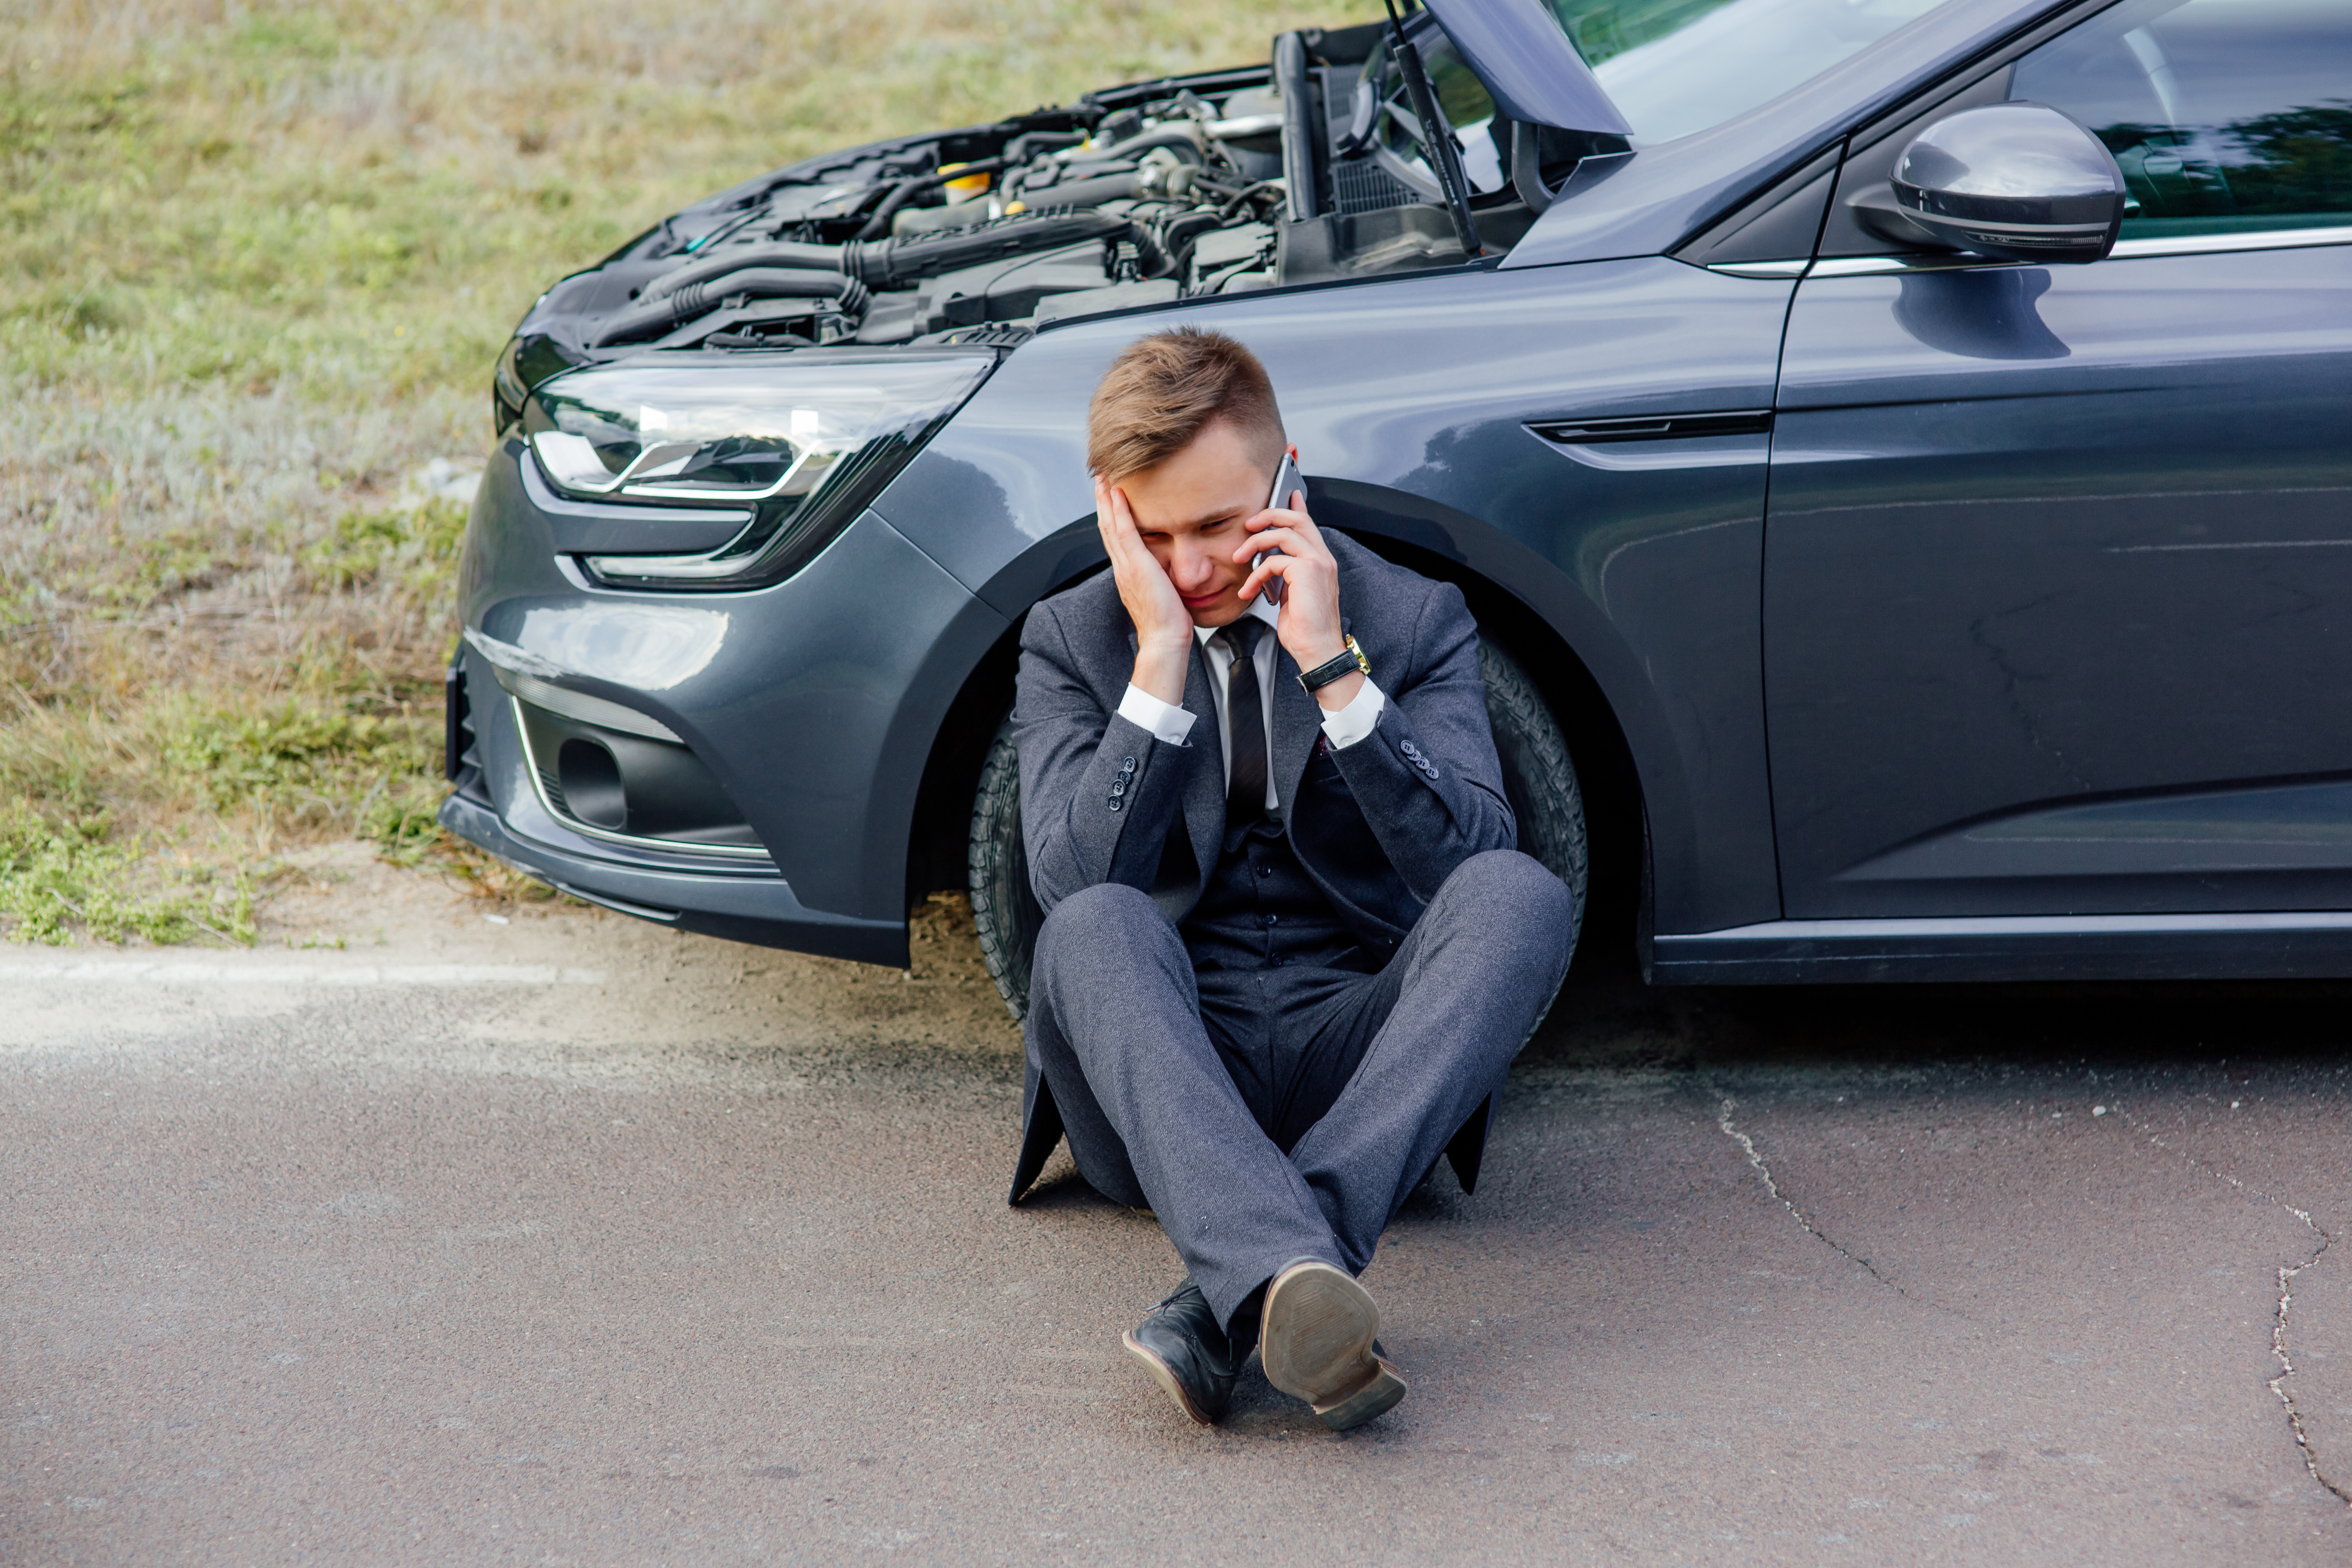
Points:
(255, 263)
(59, 875)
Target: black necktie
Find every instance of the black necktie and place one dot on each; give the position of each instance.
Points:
(1245, 718)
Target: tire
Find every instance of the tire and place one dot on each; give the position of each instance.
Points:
(1540, 781)
(1539, 778)
(1003, 906)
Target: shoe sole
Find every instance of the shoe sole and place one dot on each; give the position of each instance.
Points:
(1375, 1398)
(1166, 1379)
(1316, 1345)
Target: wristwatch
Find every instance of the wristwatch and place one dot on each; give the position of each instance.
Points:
(1352, 662)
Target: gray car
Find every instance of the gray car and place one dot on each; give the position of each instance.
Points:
(1899, 453)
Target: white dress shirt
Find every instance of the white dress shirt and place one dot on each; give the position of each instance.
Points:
(1169, 724)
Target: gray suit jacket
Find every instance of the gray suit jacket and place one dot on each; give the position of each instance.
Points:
(1379, 825)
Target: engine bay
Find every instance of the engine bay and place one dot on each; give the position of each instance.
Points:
(1354, 151)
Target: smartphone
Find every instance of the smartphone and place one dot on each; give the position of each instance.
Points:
(1286, 480)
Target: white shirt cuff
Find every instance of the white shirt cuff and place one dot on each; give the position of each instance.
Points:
(1168, 724)
(1352, 723)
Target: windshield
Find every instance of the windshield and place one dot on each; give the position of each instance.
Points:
(1676, 67)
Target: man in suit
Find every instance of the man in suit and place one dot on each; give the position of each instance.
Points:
(1289, 951)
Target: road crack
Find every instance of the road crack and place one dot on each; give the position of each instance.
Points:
(2286, 1278)
(1772, 1185)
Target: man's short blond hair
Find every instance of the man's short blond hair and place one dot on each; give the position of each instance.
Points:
(1164, 390)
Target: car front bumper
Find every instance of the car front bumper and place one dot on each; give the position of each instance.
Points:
(811, 705)
(761, 910)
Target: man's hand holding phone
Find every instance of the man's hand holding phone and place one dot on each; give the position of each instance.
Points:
(1285, 550)
(1287, 484)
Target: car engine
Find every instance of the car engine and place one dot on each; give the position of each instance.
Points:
(1323, 163)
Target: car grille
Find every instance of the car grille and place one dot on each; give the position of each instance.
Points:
(461, 755)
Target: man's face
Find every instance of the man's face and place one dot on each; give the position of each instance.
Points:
(1189, 510)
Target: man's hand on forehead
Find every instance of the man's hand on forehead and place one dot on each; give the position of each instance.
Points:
(1163, 626)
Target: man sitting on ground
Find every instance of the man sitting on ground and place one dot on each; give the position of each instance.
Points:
(1289, 951)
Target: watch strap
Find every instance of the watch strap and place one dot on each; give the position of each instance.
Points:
(1351, 662)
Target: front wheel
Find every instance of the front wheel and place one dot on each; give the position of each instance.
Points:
(1003, 908)
(1539, 776)
(1538, 779)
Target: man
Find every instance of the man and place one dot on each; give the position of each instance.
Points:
(1288, 951)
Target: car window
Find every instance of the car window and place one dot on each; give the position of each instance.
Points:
(2227, 116)
(1677, 67)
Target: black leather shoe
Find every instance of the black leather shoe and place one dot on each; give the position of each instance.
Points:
(1186, 1353)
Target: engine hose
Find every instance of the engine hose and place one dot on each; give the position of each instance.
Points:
(1264, 190)
(1018, 151)
(887, 262)
(652, 317)
(879, 224)
(1177, 235)
(1175, 138)
(810, 257)
(1086, 193)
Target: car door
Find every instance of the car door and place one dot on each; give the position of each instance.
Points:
(2058, 563)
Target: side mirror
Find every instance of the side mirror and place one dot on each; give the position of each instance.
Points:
(2017, 182)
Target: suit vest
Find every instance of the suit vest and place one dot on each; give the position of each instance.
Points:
(1260, 909)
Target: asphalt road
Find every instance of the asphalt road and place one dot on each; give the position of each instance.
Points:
(567, 1241)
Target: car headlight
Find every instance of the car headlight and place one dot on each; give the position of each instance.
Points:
(805, 439)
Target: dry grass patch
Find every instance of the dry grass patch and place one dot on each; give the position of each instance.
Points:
(255, 263)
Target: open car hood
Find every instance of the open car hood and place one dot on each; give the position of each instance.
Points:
(1532, 71)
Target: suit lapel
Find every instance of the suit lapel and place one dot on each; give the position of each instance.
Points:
(1297, 717)
(1298, 720)
(1204, 792)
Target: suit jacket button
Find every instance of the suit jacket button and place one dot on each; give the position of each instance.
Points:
(1114, 802)
(1118, 789)
(1410, 749)
(1126, 764)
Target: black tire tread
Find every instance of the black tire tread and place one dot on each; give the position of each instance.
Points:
(1001, 890)
(1548, 799)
